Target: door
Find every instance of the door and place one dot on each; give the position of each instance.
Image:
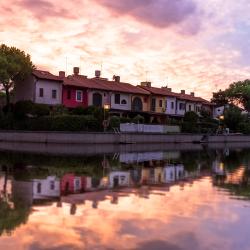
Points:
(97, 99)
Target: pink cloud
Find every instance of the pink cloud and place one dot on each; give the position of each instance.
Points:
(158, 13)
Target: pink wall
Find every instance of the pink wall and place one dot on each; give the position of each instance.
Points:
(72, 103)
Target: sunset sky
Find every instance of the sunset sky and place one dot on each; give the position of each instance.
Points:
(196, 45)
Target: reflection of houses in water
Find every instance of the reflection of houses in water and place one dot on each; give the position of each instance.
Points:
(46, 188)
(119, 179)
(35, 190)
(147, 156)
(173, 173)
(71, 183)
(218, 168)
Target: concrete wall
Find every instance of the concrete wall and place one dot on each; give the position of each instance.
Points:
(142, 128)
(112, 138)
(48, 86)
(179, 111)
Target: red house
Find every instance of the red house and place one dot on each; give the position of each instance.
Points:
(71, 184)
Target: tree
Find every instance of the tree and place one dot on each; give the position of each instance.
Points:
(15, 65)
(233, 117)
(238, 93)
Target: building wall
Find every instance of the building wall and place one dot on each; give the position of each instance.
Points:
(125, 97)
(145, 102)
(169, 109)
(50, 187)
(190, 106)
(48, 86)
(179, 111)
(25, 90)
(72, 103)
(122, 178)
(105, 97)
(158, 108)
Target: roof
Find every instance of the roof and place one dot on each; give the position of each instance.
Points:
(103, 84)
(165, 92)
(45, 75)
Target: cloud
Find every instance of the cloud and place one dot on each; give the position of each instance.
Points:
(158, 13)
(43, 9)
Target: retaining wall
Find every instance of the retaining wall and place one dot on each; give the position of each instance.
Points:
(112, 138)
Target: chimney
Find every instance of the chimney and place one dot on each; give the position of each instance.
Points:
(192, 93)
(76, 71)
(183, 92)
(61, 74)
(97, 73)
(146, 84)
(116, 78)
(167, 88)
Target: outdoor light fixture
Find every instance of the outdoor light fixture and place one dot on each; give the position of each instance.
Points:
(106, 106)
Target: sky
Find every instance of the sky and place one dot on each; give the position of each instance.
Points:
(196, 45)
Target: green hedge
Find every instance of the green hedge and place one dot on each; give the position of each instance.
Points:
(53, 123)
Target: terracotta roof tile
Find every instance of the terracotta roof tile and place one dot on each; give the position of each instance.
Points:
(165, 92)
(45, 75)
(100, 84)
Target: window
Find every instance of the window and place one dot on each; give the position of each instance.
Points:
(123, 102)
(79, 96)
(181, 106)
(52, 185)
(117, 98)
(54, 93)
(153, 102)
(39, 188)
(41, 92)
(189, 107)
(160, 103)
(172, 105)
(69, 94)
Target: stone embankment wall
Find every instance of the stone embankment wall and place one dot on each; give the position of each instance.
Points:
(113, 138)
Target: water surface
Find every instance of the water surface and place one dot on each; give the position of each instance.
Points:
(147, 200)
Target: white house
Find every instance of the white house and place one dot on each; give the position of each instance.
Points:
(218, 111)
(119, 179)
(170, 105)
(40, 87)
(46, 188)
(173, 173)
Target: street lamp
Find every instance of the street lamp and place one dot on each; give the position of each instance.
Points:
(106, 107)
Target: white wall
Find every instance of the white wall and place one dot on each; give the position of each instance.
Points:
(173, 173)
(105, 97)
(191, 105)
(123, 178)
(48, 86)
(46, 188)
(218, 111)
(170, 110)
(142, 128)
(178, 110)
(126, 97)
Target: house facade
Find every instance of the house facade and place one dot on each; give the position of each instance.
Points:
(40, 87)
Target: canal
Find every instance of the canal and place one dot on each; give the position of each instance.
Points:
(132, 200)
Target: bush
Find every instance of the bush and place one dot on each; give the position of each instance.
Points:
(191, 117)
(138, 119)
(114, 122)
(40, 110)
(232, 118)
(189, 127)
(22, 108)
(79, 111)
(125, 120)
(244, 127)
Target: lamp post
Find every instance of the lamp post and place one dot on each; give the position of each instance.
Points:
(221, 118)
(106, 107)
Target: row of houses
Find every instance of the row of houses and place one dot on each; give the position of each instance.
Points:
(122, 98)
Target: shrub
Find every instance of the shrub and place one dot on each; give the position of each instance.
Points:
(244, 127)
(138, 119)
(22, 108)
(125, 120)
(191, 117)
(40, 110)
(114, 122)
(79, 111)
(189, 127)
